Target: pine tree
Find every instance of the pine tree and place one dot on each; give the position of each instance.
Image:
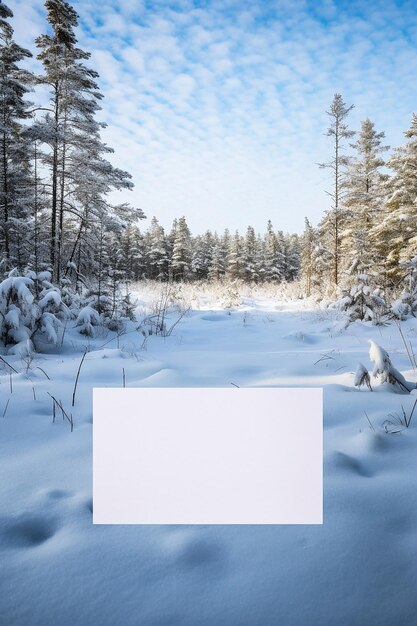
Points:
(282, 255)
(394, 234)
(260, 264)
(170, 246)
(333, 221)
(15, 168)
(249, 255)
(202, 255)
(138, 255)
(131, 252)
(308, 257)
(364, 200)
(273, 255)
(181, 253)
(292, 257)
(157, 252)
(80, 176)
(217, 267)
(235, 259)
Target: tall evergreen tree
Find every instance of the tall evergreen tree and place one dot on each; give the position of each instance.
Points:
(364, 200)
(249, 255)
(157, 252)
(181, 253)
(332, 223)
(292, 257)
(202, 255)
(273, 255)
(394, 234)
(80, 176)
(15, 168)
(235, 259)
(308, 257)
(218, 264)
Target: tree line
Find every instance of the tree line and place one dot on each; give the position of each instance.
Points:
(177, 255)
(56, 180)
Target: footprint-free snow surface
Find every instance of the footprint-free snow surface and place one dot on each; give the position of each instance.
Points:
(359, 568)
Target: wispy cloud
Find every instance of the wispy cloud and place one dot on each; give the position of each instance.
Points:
(218, 108)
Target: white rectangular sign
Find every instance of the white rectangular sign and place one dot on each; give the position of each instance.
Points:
(207, 456)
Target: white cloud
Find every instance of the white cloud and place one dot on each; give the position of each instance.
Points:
(218, 110)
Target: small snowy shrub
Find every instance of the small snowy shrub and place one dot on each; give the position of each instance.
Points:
(402, 307)
(406, 304)
(362, 302)
(362, 377)
(30, 307)
(384, 369)
(231, 296)
(123, 312)
(71, 298)
(87, 319)
(110, 308)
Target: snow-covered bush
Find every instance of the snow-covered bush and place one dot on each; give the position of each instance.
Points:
(231, 296)
(98, 309)
(406, 304)
(402, 307)
(30, 308)
(123, 311)
(362, 377)
(73, 299)
(384, 369)
(86, 320)
(362, 302)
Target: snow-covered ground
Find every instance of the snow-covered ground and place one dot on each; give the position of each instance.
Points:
(358, 569)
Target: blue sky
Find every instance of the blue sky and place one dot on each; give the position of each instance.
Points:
(217, 108)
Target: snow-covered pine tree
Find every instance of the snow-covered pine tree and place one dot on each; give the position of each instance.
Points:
(31, 310)
(308, 268)
(138, 269)
(364, 198)
(292, 257)
(170, 238)
(15, 169)
(197, 258)
(260, 258)
(217, 265)
(80, 176)
(249, 255)
(273, 256)
(406, 304)
(128, 251)
(235, 259)
(202, 254)
(181, 253)
(157, 254)
(394, 234)
(282, 258)
(363, 302)
(59, 56)
(208, 242)
(225, 242)
(332, 224)
(38, 249)
(107, 291)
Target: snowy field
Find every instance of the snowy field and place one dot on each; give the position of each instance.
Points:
(358, 569)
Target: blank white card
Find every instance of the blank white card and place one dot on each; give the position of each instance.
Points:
(208, 456)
